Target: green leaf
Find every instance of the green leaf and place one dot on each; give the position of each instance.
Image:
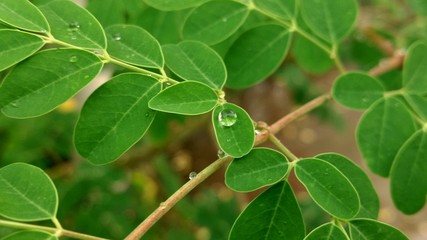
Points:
(15, 46)
(134, 45)
(330, 20)
(328, 187)
(368, 229)
(214, 21)
(310, 57)
(369, 203)
(380, 133)
(273, 215)
(414, 70)
(164, 26)
(108, 12)
(30, 235)
(256, 54)
(418, 104)
(327, 231)
(46, 80)
(357, 90)
(234, 130)
(285, 9)
(172, 5)
(188, 98)
(115, 117)
(408, 174)
(259, 168)
(419, 6)
(26, 193)
(23, 14)
(74, 25)
(195, 61)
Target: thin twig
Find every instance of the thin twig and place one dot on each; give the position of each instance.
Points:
(388, 64)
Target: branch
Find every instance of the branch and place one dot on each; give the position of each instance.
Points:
(388, 64)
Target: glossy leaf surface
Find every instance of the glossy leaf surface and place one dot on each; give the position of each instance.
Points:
(22, 14)
(75, 25)
(368, 229)
(15, 46)
(256, 54)
(46, 80)
(285, 9)
(259, 168)
(134, 45)
(214, 21)
(115, 117)
(369, 202)
(30, 235)
(414, 70)
(196, 61)
(26, 193)
(380, 134)
(234, 129)
(172, 5)
(357, 90)
(408, 175)
(328, 187)
(331, 20)
(188, 98)
(273, 215)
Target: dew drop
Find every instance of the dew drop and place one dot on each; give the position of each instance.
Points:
(14, 104)
(221, 154)
(117, 37)
(73, 26)
(192, 175)
(73, 59)
(224, 19)
(227, 118)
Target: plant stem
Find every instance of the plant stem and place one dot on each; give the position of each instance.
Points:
(389, 64)
(52, 230)
(283, 148)
(165, 206)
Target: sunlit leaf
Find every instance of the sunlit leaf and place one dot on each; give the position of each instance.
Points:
(30, 235)
(172, 5)
(368, 229)
(22, 14)
(414, 71)
(326, 231)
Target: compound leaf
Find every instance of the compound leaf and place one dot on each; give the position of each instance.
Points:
(327, 231)
(273, 215)
(369, 202)
(357, 90)
(408, 178)
(259, 168)
(368, 229)
(234, 130)
(46, 80)
(23, 14)
(328, 187)
(381, 132)
(188, 98)
(26, 193)
(115, 117)
(15, 46)
(256, 54)
(330, 20)
(214, 21)
(196, 61)
(74, 25)
(30, 235)
(134, 45)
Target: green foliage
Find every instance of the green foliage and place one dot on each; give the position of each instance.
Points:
(27, 193)
(183, 57)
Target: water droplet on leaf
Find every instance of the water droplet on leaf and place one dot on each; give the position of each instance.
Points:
(73, 59)
(192, 175)
(227, 118)
(117, 37)
(224, 19)
(73, 26)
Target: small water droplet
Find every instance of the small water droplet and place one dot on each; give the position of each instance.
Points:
(192, 175)
(221, 154)
(14, 104)
(147, 115)
(224, 19)
(73, 26)
(73, 59)
(117, 37)
(227, 118)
